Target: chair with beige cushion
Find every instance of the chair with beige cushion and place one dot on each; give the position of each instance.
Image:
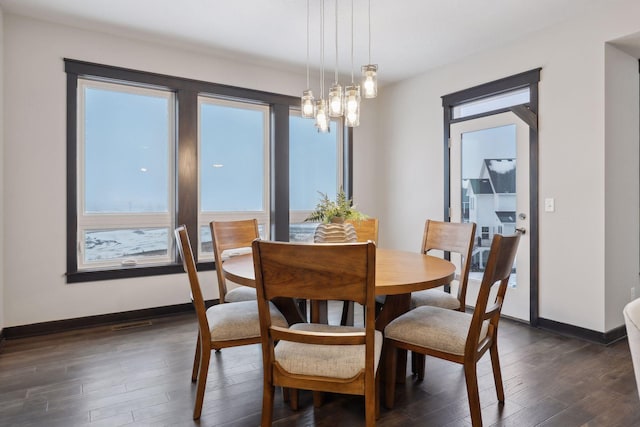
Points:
(631, 314)
(454, 335)
(227, 236)
(311, 356)
(452, 237)
(220, 326)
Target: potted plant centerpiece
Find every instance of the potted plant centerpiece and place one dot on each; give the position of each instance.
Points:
(331, 214)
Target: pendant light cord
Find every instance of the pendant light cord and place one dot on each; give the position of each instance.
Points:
(308, 87)
(352, 81)
(322, 49)
(336, 74)
(369, 31)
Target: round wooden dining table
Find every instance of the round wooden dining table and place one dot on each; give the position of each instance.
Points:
(398, 273)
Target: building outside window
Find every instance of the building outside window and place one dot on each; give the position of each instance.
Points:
(485, 233)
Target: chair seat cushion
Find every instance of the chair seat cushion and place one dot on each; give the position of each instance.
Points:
(436, 298)
(241, 293)
(237, 320)
(435, 328)
(336, 361)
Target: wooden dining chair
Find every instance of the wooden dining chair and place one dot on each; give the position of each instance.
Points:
(452, 237)
(220, 326)
(226, 236)
(366, 230)
(454, 335)
(229, 235)
(312, 356)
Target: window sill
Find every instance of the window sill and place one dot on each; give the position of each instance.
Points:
(132, 272)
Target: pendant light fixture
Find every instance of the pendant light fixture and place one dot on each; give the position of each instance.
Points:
(352, 92)
(307, 101)
(322, 116)
(370, 71)
(336, 101)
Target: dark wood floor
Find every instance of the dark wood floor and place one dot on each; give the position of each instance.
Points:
(140, 376)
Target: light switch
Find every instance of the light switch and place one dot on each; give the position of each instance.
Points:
(549, 204)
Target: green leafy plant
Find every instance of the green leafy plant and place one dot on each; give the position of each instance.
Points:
(342, 208)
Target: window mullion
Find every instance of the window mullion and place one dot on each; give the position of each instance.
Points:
(187, 161)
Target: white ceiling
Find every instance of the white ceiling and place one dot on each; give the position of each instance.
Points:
(408, 36)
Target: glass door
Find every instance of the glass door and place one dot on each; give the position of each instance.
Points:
(490, 186)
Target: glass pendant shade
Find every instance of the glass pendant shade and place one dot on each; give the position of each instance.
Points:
(370, 80)
(336, 102)
(352, 106)
(307, 104)
(322, 118)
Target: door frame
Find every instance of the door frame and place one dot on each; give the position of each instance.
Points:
(529, 114)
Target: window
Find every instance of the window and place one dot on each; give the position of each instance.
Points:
(233, 145)
(492, 103)
(125, 188)
(485, 233)
(315, 167)
(146, 152)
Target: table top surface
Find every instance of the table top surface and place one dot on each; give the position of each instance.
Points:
(397, 272)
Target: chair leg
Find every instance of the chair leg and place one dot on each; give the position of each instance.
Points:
(471, 378)
(497, 373)
(378, 308)
(370, 402)
(293, 399)
(285, 394)
(377, 397)
(347, 313)
(401, 361)
(205, 356)
(318, 399)
(319, 312)
(267, 405)
(390, 360)
(417, 365)
(196, 361)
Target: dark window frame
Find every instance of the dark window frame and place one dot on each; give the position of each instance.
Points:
(187, 91)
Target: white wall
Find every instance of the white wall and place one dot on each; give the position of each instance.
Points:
(622, 188)
(572, 153)
(35, 153)
(398, 167)
(366, 164)
(2, 222)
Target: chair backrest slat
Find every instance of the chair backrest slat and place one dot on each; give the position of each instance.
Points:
(227, 235)
(315, 272)
(452, 237)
